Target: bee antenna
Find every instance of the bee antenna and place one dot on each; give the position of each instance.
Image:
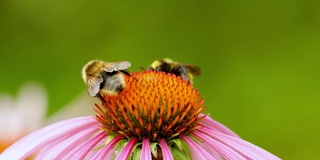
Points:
(127, 73)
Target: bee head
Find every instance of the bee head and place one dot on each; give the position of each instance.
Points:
(91, 70)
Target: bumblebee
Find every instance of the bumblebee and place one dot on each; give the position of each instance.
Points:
(105, 77)
(185, 71)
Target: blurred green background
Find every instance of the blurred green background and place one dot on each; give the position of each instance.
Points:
(259, 59)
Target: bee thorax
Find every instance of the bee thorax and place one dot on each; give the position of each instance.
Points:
(113, 83)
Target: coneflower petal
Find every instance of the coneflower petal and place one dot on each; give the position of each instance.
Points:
(166, 153)
(125, 152)
(62, 149)
(241, 146)
(195, 148)
(82, 150)
(218, 126)
(212, 151)
(53, 133)
(145, 152)
(222, 149)
(103, 152)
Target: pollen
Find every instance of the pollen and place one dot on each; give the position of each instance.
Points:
(153, 105)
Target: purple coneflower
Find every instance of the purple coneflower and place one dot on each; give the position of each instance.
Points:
(156, 116)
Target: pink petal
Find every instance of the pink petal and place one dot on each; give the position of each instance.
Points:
(241, 146)
(197, 149)
(82, 150)
(222, 149)
(66, 146)
(51, 134)
(194, 155)
(211, 150)
(211, 123)
(125, 152)
(166, 153)
(106, 149)
(145, 153)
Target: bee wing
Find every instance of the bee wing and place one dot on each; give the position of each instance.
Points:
(116, 66)
(94, 86)
(195, 70)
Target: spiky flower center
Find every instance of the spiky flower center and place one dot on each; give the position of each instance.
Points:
(153, 105)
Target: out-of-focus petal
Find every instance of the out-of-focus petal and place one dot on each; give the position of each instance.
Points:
(32, 106)
(23, 115)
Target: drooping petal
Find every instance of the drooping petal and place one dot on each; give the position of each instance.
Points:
(58, 151)
(146, 152)
(125, 152)
(241, 146)
(211, 150)
(222, 149)
(218, 126)
(108, 148)
(166, 153)
(53, 133)
(197, 149)
(82, 150)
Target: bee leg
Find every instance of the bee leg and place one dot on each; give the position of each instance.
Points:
(101, 98)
